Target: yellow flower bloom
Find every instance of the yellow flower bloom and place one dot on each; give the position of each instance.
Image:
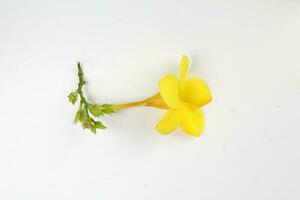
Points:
(183, 97)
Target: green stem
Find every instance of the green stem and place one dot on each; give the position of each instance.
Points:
(80, 85)
(154, 101)
(86, 110)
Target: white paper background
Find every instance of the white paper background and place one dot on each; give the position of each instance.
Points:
(247, 51)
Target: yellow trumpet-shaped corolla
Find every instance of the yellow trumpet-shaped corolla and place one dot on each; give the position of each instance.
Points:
(184, 97)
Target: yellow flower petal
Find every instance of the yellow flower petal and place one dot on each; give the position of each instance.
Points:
(195, 91)
(184, 66)
(191, 119)
(168, 123)
(168, 88)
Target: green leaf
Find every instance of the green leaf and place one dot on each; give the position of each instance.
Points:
(73, 97)
(99, 125)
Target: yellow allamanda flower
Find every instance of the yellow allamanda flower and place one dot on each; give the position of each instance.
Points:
(182, 98)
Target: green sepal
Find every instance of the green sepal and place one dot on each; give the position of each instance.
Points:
(96, 110)
(107, 109)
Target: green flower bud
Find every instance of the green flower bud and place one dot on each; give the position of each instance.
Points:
(99, 125)
(73, 97)
(85, 114)
(78, 117)
(86, 125)
(93, 128)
